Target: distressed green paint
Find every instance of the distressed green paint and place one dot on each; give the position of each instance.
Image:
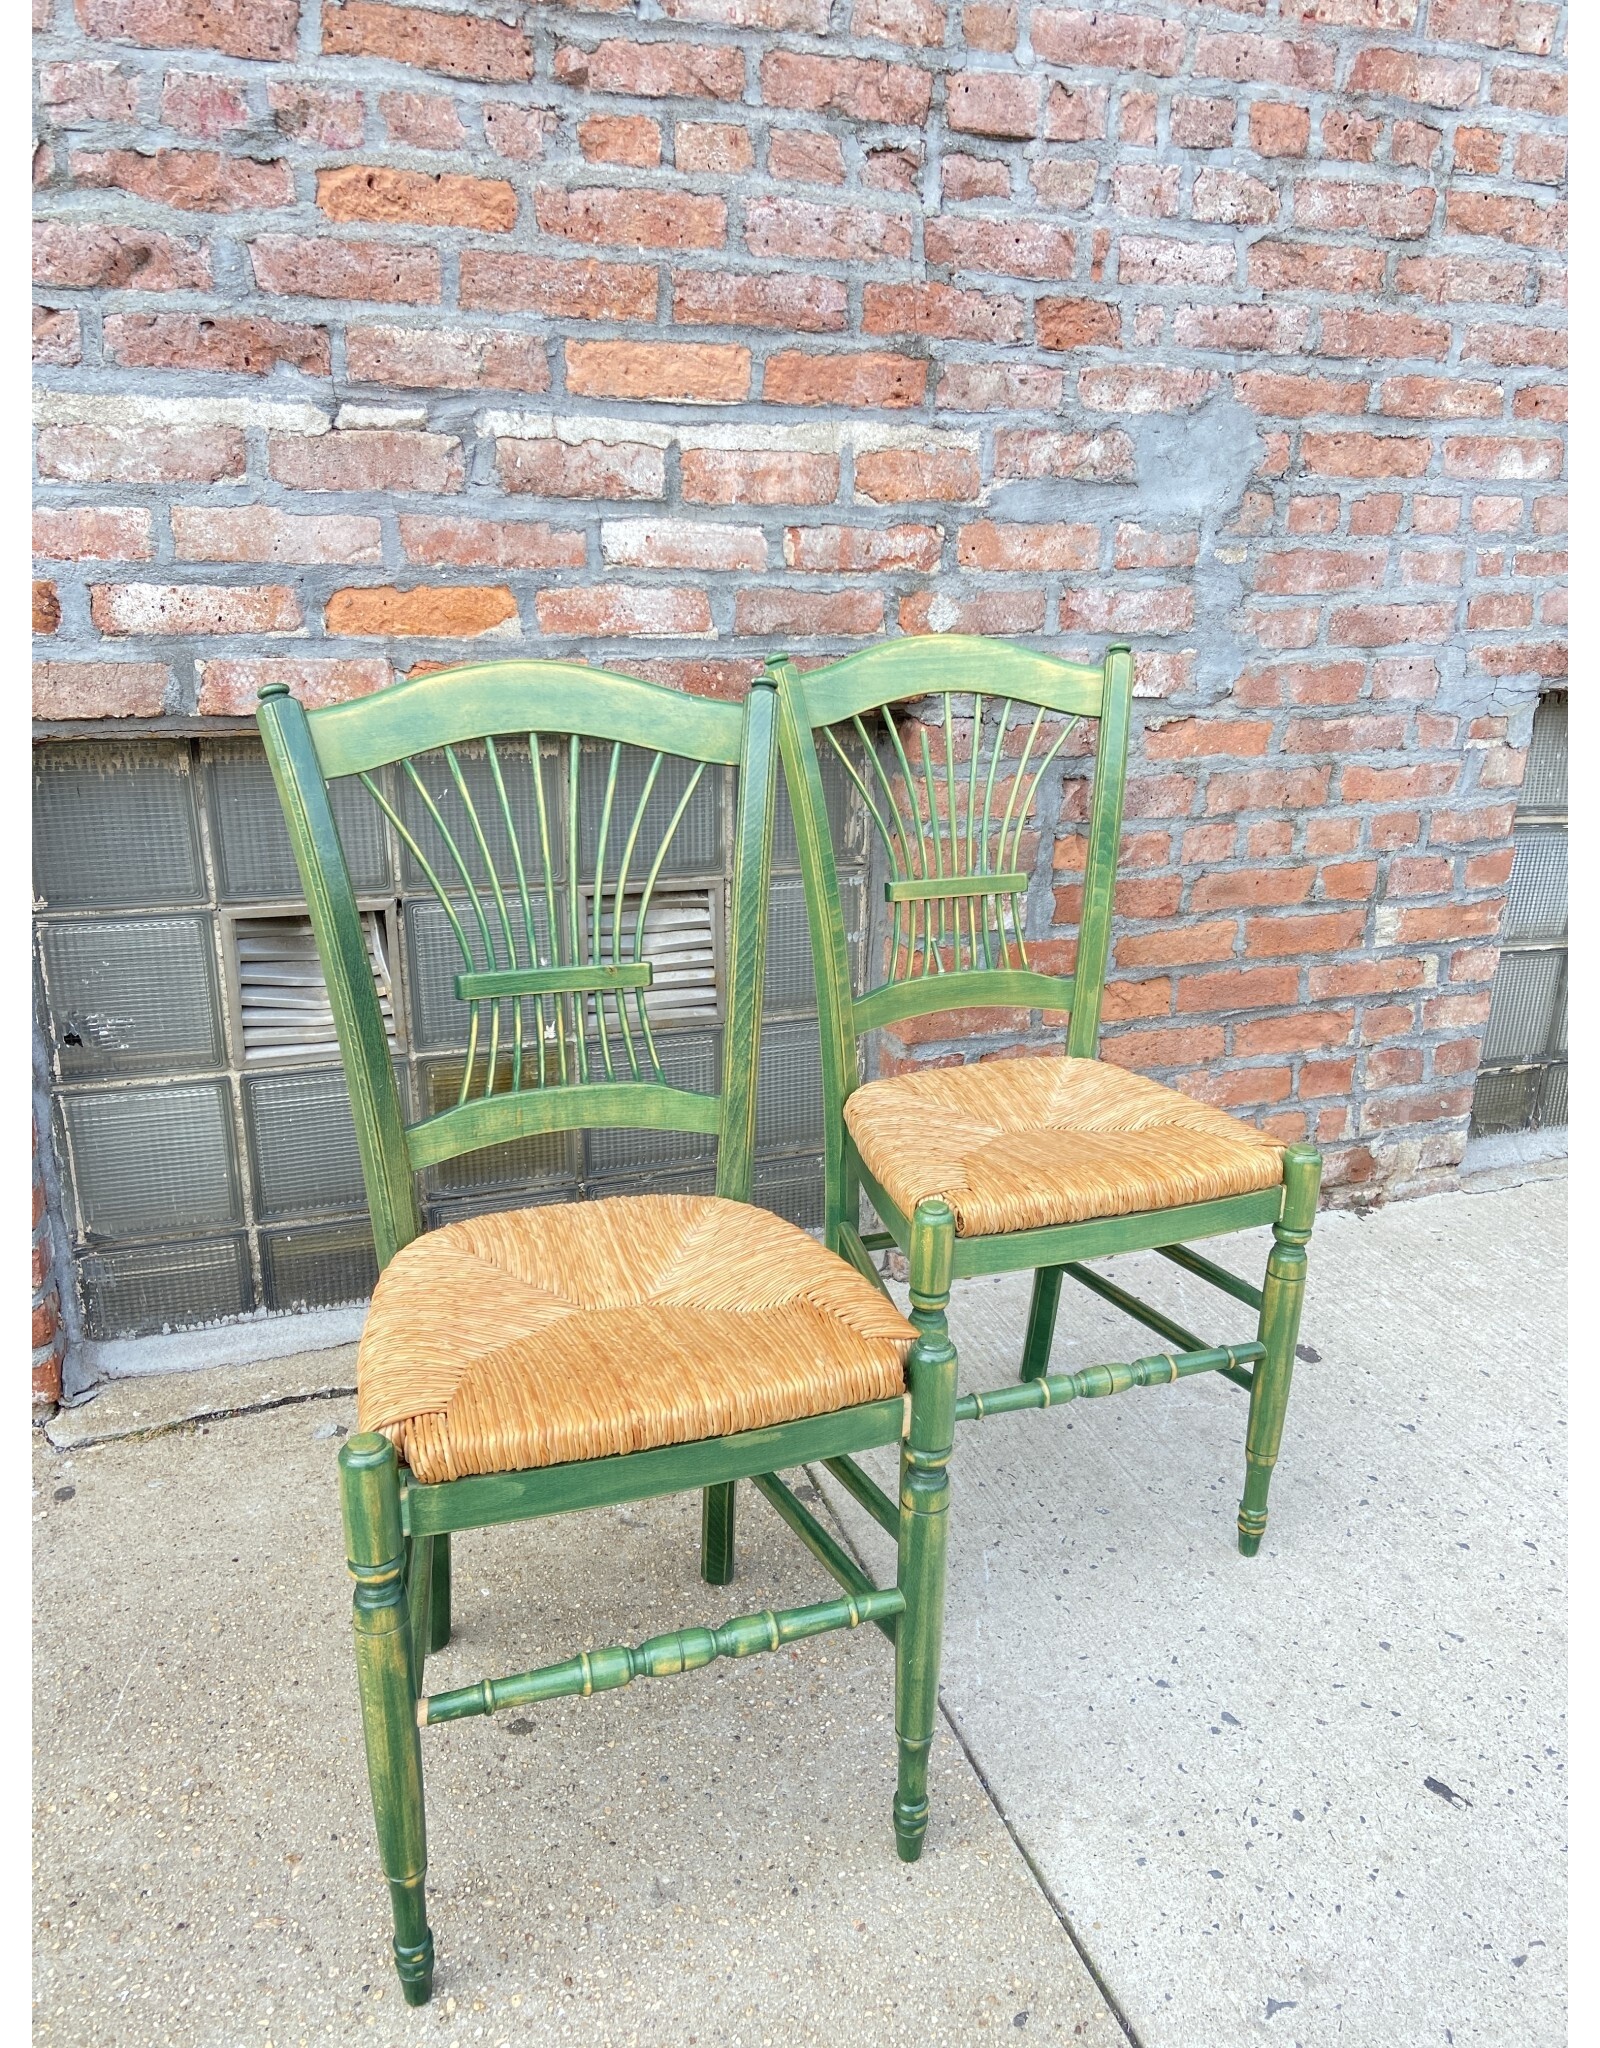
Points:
(751, 887)
(1281, 1300)
(1094, 1382)
(924, 888)
(970, 988)
(482, 1503)
(1041, 1322)
(369, 1494)
(573, 1064)
(439, 1625)
(944, 831)
(924, 1519)
(664, 1656)
(576, 1106)
(825, 916)
(595, 979)
(419, 1604)
(1024, 1250)
(330, 898)
(718, 1505)
(959, 662)
(1100, 868)
(456, 705)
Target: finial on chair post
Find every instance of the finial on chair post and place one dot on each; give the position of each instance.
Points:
(933, 1244)
(1302, 1184)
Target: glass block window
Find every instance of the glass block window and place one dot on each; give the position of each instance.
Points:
(208, 1157)
(1522, 1082)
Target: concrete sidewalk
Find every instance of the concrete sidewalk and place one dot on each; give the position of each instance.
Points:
(1312, 1799)
(1316, 1797)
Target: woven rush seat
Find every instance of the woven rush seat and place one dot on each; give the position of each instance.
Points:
(589, 1329)
(1027, 1144)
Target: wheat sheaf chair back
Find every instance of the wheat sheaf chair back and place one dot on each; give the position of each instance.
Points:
(540, 805)
(967, 758)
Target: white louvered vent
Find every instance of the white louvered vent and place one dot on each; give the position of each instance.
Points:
(283, 999)
(680, 944)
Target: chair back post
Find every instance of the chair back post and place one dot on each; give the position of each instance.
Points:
(747, 949)
(830, 950)
(336, 922)
(1100, 870)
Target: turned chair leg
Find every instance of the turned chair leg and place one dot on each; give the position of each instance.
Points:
(716, 1533)
(369, 1489)
(1281, 1298)
(924, 1519)
(1041, 1323)
(439, 1602)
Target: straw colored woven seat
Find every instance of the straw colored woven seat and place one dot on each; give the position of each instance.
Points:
(1027, 1144)
(587, 1329)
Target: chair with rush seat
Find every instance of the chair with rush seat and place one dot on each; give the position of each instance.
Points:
(1045, 1163)
(580, 1354)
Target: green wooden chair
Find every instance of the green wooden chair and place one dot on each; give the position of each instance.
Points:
(946, 744)
(580, 1354)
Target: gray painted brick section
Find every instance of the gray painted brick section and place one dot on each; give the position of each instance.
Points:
(1237, 334)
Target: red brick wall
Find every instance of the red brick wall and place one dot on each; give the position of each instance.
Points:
(371, 334)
